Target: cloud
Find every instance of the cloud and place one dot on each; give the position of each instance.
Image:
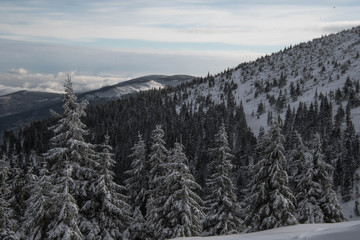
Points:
(118, 62)
(21, 79)
(231, 22)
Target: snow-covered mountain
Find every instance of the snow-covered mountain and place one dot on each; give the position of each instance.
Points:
(19, 108)
(317, 67)
(133, 86)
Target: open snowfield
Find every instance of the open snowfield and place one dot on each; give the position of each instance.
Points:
(336, 231)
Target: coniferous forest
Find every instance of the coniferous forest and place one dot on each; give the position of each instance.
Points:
(148, 167)
(183, 161)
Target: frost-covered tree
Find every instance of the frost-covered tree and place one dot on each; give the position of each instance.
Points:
(36, 216)
(7, 224)
(71, 154)
(137, 187)
(137, 229)
(271, 202)
(16, 186)
(113, 213)
(322, 175)
(221, 206)
(157, 190)
(137, 183)
(64, 209)
(182, 209)
(307, 191)
(68, 143)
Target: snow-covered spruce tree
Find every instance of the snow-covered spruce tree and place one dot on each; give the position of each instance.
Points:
(221, 207)
(270, 201)
(113, 214)
(157, 186)
(16, 185)
(322, 175)
(182, 209)
(71, 154)
(7, 224)
(64, 209)
(307, 191)
(137, 187)
(29, 179)
(36, 215)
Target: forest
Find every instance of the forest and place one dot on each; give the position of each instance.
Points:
(151, 166)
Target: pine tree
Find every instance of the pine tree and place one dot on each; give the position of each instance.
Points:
(137, 187)
(222, 210)
(307, 191)
(7, 223)
(36, 217)
(322, 175)
(157, 197)
(271, 200)
(182, 208)
(114, 214)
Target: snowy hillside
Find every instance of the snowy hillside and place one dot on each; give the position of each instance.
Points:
(321, 66)
(332, 231)
(134, 86)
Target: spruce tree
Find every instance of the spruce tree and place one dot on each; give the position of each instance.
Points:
(64, 209)
(72, 162)
(7, 223)
(137, 187)
(307, 191)
(157, 189)
(221, 206)
(16, 186)
(322, 175)
(137, 183)
(182, 208)
(347, 158)
(36, 217)
(113, 215)
(271, 202)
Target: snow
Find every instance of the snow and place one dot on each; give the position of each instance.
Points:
(117, 92)
(303, 62)
(331, 231)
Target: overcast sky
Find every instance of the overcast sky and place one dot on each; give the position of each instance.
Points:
(104, 42)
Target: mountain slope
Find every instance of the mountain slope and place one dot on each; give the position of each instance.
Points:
(133, 86)
(321, 66)
(25, 101)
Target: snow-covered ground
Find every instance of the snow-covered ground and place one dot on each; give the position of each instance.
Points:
(330, 231)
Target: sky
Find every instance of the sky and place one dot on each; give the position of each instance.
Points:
(104, 42)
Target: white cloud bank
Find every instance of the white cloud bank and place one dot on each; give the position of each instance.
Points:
(21, 79)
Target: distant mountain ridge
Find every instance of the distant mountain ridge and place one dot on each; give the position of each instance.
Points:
(134, 85)
(19, 108)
